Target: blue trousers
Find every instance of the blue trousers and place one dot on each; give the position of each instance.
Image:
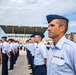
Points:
(11, 60)
(4, 64)
(40, 70)
(32, 65)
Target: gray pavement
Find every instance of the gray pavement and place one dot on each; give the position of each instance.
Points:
(21, 67)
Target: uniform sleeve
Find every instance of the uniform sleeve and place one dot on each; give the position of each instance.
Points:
(12, 47)
(6, 48)
(30, 47)
(73, 58)
(44, 51)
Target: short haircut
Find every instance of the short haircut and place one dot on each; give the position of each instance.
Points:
(64, 23)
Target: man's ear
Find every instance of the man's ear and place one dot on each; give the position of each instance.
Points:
(62, 29)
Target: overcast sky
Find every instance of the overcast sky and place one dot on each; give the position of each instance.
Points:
(33, 12)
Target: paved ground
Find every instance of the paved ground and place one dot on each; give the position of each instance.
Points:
(21, 67)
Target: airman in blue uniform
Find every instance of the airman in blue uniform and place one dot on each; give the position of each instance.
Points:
(31, 53)
(62, 58)
(5, 55)
(12, 53)
(16, 50)
(40, 58)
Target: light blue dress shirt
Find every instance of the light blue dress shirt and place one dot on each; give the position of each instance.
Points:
(62, 58)
(33, 46)
(40, 54)
(32, 49)
(5, 47)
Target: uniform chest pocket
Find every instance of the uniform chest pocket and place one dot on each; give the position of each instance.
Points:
(57, 61)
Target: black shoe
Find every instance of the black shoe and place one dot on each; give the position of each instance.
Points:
(10, 69)
(31, 73)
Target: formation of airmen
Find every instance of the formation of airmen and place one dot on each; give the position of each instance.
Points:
(9, 50)
(57, 59)
(37, 54)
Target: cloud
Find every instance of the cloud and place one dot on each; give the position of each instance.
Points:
(33, 12)
(72, 23)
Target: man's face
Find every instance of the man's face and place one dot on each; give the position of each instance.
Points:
(36, 38)
(53, 29)
(3, 39)
(32, 40)
(9, 41)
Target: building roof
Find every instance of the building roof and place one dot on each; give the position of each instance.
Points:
(22, 29)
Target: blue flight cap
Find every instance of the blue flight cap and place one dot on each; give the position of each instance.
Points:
(9, 39)
(4, 37)
(52, 17)
(32, 35)
(39, 33)
(13, 40)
